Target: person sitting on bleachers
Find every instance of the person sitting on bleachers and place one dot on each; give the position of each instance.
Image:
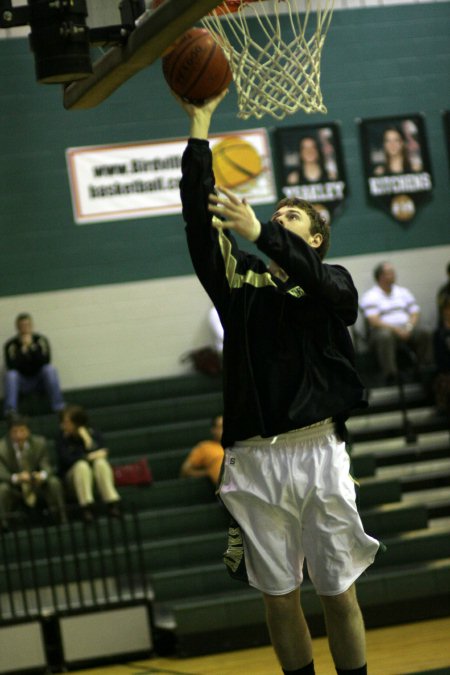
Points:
(441, 339)
(206, 458)
(393, 318)
(83, 461)
(26, 475)
(443, 292)
(28, 367)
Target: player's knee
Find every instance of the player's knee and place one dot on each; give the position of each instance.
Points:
(279, 603)
(341, 605)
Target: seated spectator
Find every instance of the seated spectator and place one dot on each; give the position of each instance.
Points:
(393, 318)
(28, 367)
(83, 462)
(442, 358)
(205, 459)
(443, 293)
(26, 475)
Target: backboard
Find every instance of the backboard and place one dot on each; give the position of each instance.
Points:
(157, 30)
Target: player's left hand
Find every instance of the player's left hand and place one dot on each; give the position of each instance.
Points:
(239, 216)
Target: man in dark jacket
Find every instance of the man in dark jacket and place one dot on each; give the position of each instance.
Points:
(289, 385)
(28, 367)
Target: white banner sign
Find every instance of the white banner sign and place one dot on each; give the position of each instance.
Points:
(136, 180)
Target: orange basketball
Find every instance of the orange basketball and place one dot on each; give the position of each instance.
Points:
(197, 69)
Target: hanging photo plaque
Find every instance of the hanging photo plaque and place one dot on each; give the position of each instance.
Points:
(310, 166)
(396, 164)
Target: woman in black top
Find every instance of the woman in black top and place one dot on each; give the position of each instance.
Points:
(83, 461)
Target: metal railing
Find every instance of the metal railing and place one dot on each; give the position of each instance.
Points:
(49, 569)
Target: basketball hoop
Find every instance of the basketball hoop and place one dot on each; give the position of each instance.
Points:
(274, 73)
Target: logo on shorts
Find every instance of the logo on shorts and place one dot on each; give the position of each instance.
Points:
(232, 460)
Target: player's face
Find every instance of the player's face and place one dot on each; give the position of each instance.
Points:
(295, 220)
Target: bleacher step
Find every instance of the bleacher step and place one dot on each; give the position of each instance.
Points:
(395, 450)
(224, 621)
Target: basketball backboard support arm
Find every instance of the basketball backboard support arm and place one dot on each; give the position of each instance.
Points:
(157, 31)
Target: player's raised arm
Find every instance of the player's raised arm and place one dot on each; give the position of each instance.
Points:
(201, 115)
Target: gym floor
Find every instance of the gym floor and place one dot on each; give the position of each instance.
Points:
(410, 649)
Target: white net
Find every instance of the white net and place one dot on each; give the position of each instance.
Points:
(274, 50)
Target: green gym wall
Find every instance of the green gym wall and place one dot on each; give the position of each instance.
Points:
(377, 62)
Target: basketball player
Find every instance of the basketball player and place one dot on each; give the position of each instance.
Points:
(289, 385)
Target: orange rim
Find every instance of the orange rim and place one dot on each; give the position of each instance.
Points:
(230, 6)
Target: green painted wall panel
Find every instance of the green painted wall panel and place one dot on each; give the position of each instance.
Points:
(377, 62)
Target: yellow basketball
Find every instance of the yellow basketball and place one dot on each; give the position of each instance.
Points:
(235, 161)
(403, 208)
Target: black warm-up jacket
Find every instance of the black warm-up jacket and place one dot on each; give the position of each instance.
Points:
(288, 359)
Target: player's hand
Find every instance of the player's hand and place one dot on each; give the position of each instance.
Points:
(239, 216)
(200, 114)
(207, 107)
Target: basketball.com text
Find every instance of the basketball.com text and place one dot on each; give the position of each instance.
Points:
(135, 166)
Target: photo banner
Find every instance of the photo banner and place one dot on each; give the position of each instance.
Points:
(396, 164)
(141, 180)
(311, 167)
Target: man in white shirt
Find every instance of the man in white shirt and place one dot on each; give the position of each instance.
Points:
(393, 316)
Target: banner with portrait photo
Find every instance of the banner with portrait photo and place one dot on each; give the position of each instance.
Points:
(396, 164)
(310, 166)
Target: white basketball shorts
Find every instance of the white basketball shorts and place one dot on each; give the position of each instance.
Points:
(294, 499)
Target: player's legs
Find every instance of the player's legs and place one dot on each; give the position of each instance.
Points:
(289, 632)
(345, 629)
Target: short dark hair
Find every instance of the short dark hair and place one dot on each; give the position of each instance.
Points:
(318, 224)
(17, 420)
(23, 316)
(378, 271)
(77, 414)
